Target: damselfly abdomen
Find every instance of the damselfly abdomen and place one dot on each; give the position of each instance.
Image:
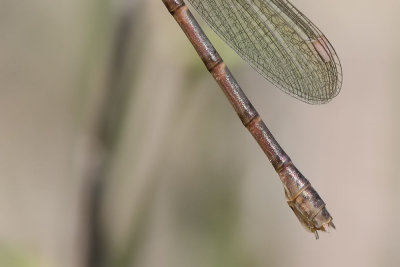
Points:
(286, 48)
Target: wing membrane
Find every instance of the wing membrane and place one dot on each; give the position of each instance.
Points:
(281, 43)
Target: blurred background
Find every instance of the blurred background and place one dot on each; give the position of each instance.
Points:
(118, 149)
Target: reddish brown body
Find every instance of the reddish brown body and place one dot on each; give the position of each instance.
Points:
(302, 198)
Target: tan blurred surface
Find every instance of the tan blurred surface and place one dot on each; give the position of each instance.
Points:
(188, 185)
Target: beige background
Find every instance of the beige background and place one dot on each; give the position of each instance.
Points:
(189, 186)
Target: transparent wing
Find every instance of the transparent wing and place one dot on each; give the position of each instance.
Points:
(281, 43)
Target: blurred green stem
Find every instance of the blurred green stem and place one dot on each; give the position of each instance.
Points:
(107, 131)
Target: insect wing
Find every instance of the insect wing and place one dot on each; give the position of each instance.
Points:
(281, 43)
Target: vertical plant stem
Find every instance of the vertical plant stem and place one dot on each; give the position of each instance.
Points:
(107, 132)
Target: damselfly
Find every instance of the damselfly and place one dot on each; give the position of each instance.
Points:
(285, 47)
